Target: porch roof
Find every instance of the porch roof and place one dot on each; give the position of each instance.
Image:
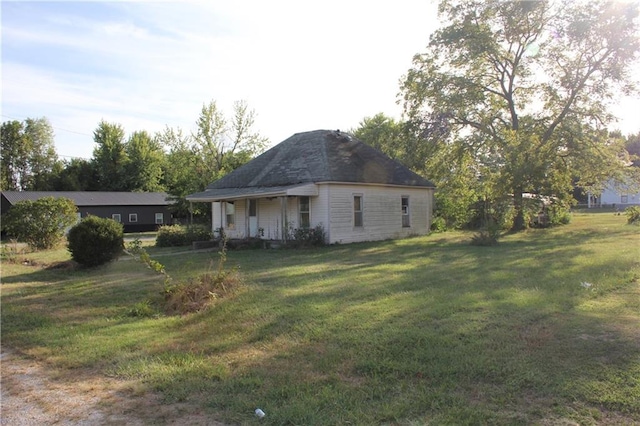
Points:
(230, 194)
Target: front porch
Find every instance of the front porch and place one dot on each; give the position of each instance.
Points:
(262, 213)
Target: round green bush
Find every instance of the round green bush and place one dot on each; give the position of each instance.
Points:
(95, 241)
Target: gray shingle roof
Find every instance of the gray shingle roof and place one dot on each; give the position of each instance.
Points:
(94, 198)
(320, 156)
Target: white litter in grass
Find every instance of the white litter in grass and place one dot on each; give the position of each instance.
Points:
(260, 413)
(585, 284)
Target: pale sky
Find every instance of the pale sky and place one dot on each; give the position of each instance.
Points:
(301, 66)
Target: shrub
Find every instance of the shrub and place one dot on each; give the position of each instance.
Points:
(95, 241)
(308, 237)
(487, 236)
(178, 235)
(41, 223)
(633, 215)
(484, 238)
(558, 214)
(439, 224)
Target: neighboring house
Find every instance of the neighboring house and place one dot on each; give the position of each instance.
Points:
(137, 211)
(618, 196)
(321, 178)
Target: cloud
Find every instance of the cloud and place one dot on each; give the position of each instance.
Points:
(147, 65)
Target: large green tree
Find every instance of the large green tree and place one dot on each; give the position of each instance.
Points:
(76, 174)
(13, 156)
(246, 142)
(144, 165)
(110, 156)
(217, 147)
(522, 89)
(28, 154)
(179, 177)
(458, 187)
(383, 133)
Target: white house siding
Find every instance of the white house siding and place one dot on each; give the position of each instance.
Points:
(618, 197)
(332, 208)
(382, 216)
(219, 214)
(270, 217)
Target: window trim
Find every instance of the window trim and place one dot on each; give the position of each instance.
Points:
(161, 222)
(301, 212)
(359, 212)
(624, 199)
(118, 216)
(229, 224)
(406, 211)
(133, 217)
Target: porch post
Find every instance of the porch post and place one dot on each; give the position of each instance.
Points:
(283, 206)
(213, 227)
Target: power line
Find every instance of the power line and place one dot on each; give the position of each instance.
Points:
(54, 127)
(57, 128)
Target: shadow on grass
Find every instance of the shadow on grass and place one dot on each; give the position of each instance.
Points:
(418, 330)
(495, 339)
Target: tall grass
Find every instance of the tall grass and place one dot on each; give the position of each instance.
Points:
(540, 329)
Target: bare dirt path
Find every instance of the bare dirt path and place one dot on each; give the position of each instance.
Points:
(34, 394)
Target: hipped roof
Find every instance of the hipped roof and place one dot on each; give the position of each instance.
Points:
(319, 156)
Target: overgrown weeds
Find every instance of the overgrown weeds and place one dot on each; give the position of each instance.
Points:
(195, 294)
(633, 215)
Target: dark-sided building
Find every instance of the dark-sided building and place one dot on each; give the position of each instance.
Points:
(137, 211)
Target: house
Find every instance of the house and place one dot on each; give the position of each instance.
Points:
(137, 211)
(321, 178)
(617, 196)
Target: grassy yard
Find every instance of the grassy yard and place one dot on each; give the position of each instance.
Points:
(542, 329)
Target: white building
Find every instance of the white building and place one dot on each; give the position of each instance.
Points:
(618, 196)
(321, 178)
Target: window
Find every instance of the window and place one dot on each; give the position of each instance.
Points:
(133, 217)
(624, 199)
(357, 211)
(406, 218)
(230, 210)
(159, 218)
(305, 216)
(116, 217)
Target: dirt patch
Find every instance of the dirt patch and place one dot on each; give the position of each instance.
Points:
(34, 394)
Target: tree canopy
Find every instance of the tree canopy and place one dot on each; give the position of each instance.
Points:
(28, 153)
(169, 161)
(518, 93)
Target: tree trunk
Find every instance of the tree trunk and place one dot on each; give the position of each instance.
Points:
(518, 222)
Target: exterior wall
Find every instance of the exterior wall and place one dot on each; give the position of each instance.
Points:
(146, 215)
(219, 219)
(270, 218)
(332, 208)
(611, 197)
(382, 212)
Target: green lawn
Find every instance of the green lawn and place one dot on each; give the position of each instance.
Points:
(542, 329)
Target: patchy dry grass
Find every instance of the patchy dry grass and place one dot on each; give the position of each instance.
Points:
(540, 329)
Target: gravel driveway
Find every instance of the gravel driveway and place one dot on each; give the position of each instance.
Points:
(34, 394)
